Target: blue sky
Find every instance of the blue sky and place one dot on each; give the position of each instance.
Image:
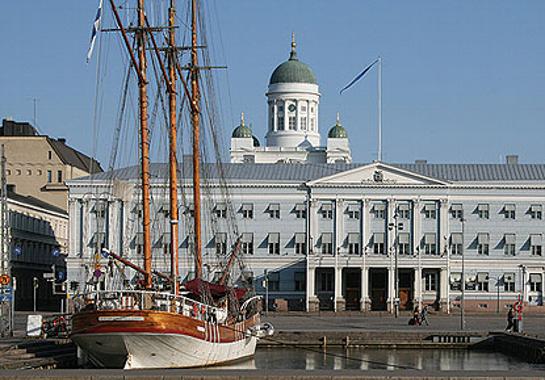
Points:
(463, 81)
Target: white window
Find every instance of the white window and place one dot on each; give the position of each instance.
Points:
(536, 212)
(378, 243)
(273, 242)
(274, 210)
(536, 244)
(431, 281)
(354, 243)
(304, 123)
(509, 211)
(430, 244)
(327, 211)
(535, 282)
(509, 282)
(292, 123)
(509, 248)
(483, 243)
(483, 210)
(456, 243)
(280, 123)
(379, 210)
(311, 123)
(327, 243)
(482, 282)
(300, 243)
(430, 211)
(353, 211)
(456, 211)
(247, 210)
(455, 281)
(403, 211)
(221, 210)
(300, 211)
(221, 243)
(247, 243)
(403, 243)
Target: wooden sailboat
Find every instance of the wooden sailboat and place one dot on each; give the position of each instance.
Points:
(148, 328)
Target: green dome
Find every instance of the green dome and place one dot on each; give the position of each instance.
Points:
(242, 131)
(337, 132)
(293, 71)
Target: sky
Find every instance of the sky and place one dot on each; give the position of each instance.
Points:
(463, 81)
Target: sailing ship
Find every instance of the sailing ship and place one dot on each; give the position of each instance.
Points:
(196, 323)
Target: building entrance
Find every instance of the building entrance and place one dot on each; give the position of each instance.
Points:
(406, 291)
(325, 287)
(378, 284)
(352, 288)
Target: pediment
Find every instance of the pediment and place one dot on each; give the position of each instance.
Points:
(377, 173)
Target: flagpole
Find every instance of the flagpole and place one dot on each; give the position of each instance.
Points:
(379, 90)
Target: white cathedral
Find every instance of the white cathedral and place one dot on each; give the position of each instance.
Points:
(293, 134)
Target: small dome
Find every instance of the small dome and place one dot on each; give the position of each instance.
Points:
(337, 131)
(293, 70)
(256, 141)
(242, 131)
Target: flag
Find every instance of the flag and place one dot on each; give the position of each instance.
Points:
(94, 31)
(359, 76)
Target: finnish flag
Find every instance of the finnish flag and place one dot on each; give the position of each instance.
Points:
(94, 31)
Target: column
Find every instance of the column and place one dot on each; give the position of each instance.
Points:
(313, 304)
(416, 221)
(366, 229)
(339, 299)
(391, 290)
(443, 289)
(417, 287)
(443, 227)
(339, 227)
(365, 302)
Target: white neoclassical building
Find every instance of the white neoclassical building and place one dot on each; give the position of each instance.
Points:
(293, 134)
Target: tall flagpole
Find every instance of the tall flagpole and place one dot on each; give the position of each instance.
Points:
(379, 83)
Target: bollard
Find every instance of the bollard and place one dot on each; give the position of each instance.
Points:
(324, 342)
(347, 341)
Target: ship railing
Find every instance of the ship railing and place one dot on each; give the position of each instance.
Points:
(152, 300)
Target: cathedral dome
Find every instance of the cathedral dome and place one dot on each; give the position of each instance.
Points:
(293, 71)
(242, 131)
(337, 131)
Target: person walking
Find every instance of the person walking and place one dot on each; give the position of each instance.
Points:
(416, 316)
(510, 319)
(424, 316)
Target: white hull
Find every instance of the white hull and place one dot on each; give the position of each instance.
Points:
(160, 350)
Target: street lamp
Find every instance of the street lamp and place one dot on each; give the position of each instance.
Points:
(462, 301)
(497, 292)
(396, 228)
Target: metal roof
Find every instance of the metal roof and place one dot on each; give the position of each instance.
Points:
(298, 173)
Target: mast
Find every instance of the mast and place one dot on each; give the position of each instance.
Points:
(172, 149)
(195, 121)
(144, 141)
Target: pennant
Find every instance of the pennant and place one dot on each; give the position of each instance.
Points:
(359, 76)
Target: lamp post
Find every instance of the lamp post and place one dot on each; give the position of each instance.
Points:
(462, 301)
(396, 228)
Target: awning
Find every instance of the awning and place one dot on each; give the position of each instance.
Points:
(247, 206)
(509, 277)
(429, 207)
(483, 207)
(482, 277)
(300, 237)
(456, 277)
(221, 237)
(353, 238)
(403, 207)
(535, 208)
(456, 238)
(353, 207)
(509, 238)
(221, 207)
(274, 207)
(456, 207)
(327, 237)
(535, 277)
(300, 207)
(327, 207)
(379, 207)
(535, 239)
(403, 238)
(509, 207)
(483, 238)
(378, 238)
(247, 237)
(165, 238)
(274, 237)
(429, 238)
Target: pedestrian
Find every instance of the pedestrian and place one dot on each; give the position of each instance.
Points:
(510, 319)
(424, 316)
(416, 316)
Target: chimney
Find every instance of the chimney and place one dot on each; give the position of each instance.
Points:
(61, 140)
(421, 162)
(512, 159)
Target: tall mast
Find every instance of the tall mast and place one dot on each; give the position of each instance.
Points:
(144, 141)
(172, 148)
(195, 121)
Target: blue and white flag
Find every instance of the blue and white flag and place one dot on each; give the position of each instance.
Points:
(94, 31)
(359, 76)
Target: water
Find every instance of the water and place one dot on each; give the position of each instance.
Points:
(390, 359)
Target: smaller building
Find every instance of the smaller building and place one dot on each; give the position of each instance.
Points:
(37, 240)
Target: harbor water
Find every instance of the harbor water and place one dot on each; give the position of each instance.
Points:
(389, 359)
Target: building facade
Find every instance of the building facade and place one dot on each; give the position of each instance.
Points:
(38, 165)
(327, 237)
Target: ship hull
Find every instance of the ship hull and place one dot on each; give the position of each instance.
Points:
(149, 339)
